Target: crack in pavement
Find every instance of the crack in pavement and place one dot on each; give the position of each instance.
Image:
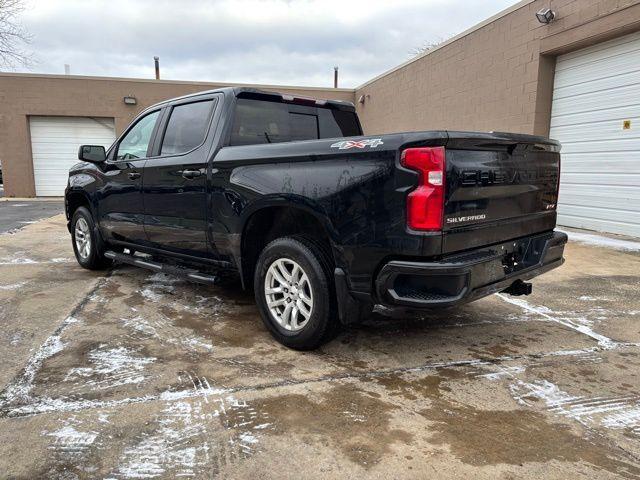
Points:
(49, 405)
(20, 383)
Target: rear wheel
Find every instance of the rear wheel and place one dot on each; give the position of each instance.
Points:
(87, 248)
(294, 292)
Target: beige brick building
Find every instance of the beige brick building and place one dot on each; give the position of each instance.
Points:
(498, 75)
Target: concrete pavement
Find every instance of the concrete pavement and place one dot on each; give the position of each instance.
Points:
(130, 374)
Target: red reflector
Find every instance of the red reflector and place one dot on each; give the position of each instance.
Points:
(425, 204)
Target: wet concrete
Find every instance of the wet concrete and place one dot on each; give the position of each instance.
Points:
(130, 374)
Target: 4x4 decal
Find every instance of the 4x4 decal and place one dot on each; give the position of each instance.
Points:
(347, 144)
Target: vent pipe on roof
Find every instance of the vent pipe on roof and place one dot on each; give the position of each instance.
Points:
(335, 77)
(157, 63)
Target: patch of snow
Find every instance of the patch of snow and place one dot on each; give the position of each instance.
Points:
(179, 447)
(19, 389)
(61, 260)
(164, 278)
(18, 259)
(141, 325)
(14, 286)
(112, 367)
(587, 298)
(502, 372)
(247, 438)
(164, 330)
(150, 294)
(196, 343)
(103, 418)
(602, 241)
(70, 442)
(578, 324)
(608, 412)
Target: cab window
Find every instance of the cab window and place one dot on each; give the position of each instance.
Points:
(136, 142)
(186, 128)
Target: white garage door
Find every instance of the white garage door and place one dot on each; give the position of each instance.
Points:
(596, 117)
(54, 146)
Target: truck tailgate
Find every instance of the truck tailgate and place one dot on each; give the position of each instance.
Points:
(498, 187)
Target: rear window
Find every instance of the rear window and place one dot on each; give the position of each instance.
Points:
(258, 121)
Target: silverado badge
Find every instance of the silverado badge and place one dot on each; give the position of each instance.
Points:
(347, 144)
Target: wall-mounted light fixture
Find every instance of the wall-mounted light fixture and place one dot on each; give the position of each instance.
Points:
(546, 16)
(130, 100)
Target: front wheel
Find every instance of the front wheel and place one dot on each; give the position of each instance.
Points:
(294, 292)
(86, 246)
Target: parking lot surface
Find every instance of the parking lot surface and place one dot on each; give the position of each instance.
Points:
(16, 214)
(129, 374)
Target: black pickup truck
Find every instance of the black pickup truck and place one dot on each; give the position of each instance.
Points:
(321, 222)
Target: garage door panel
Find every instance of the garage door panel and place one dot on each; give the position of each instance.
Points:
(620, 162)
(599, 214)
(599, 178)
(597, 101)
(599, 51)
(612, 196)
(595, 91)
(594, 70)
(603, 82)
(586, 220)
(618, 113)
(54, 147)
(629, 145)
(603, 130)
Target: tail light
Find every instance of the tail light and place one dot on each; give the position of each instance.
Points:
(425, 204)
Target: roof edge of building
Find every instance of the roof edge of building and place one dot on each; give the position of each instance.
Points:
(497, 16)
(170, 82)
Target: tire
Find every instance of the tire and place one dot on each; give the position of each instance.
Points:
(86, 245)
(307, 294)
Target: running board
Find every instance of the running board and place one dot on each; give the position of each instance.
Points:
(189, 273)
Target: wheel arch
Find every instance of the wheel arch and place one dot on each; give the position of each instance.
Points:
(276, 218)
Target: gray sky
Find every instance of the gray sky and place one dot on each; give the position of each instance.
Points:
(294, 42)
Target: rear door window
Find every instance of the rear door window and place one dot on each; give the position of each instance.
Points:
(186, 128)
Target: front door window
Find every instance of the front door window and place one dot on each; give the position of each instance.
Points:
(136, 142)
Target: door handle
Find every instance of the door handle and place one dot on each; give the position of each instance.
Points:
(133, 175)
(189, 174)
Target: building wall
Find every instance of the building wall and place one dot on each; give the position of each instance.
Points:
(24, 95)
(496, 76)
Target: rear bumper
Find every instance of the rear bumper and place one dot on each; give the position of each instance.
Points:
(465, 277)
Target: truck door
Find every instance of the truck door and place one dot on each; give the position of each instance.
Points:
(175, 179)
(120, 209)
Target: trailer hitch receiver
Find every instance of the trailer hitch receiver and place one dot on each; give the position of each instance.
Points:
(518, 288)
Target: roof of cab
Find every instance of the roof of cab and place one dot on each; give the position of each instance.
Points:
(268, 95)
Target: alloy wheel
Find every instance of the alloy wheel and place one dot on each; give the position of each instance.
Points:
(83, 238)
(288, 293)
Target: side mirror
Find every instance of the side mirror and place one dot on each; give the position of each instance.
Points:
(92, 153)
